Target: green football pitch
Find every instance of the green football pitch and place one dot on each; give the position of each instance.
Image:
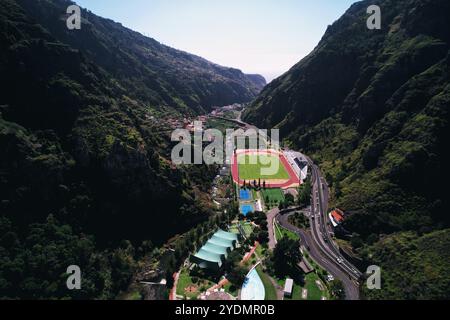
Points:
(273, 195)
(250, 167)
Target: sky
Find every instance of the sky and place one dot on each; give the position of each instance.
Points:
(257, 36)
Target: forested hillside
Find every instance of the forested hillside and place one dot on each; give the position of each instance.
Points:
(413, 267)
(84, 177)
(372, 108)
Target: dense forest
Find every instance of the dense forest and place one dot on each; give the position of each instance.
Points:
(372, 108)
(84, 177)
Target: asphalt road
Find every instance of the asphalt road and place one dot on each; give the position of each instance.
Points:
(316, 253)
(319, 242)
(322, 232)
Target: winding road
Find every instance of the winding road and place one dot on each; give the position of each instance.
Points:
(316, 253)
(318, 241)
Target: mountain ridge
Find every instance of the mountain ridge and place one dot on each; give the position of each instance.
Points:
(85, 174)
(371, 108)
(176, 78)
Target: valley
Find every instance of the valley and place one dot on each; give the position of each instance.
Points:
(105, 164)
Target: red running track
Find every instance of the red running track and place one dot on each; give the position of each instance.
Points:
(293, 180)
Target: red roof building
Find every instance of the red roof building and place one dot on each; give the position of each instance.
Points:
(336, 217)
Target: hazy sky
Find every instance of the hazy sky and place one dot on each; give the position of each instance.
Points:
(257, 36)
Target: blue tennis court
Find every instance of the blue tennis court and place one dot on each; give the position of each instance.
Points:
(246, 209)
(245, 194)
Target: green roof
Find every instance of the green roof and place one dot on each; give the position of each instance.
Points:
(209, 256)
(209, 246)
(227, 235)
(215, 250)
(219, 242)
(222, 241)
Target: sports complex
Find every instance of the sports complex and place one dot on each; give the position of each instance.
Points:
(250, 165)
(247, 240)
(262, 177)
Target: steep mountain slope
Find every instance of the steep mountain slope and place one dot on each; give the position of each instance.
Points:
(413, 267)
(372, 108)
(82, 169)
(148, 70)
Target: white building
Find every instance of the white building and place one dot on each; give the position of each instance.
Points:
(288, 288)
(298, 162)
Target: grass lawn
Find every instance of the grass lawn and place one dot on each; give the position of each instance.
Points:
(281, 232)
(261, 251)
(231, 289)
(255, 194)
(271, 292)
(297, 290)
(314, 293)
(250, 167)
(220, 124)
(272, 196)
(185, 280)
(248, 228)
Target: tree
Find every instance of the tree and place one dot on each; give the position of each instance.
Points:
(356, 241)
(304, 195)
(337, 289)
(289, 198)
(237, 275)
(263, 236)
(234, 258)
(286, 257)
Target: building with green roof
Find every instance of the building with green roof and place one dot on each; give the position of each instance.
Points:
(212, 255)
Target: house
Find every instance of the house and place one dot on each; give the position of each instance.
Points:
(336, 217)
(288, 288)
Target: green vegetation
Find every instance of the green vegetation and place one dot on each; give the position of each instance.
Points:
(219, 124)
(285, 259)
(260, 233)
(251, 166)
(314, 292)
(299, 220)
(304, 194)
(272, 197)
(191, 286)
(281, 233)
(413, 267)
(379, 133)
(337, 289)
(309, 283)
(271, 292)
(85, 158)
(245, 226)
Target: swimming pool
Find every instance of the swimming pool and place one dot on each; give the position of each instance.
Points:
(245, 194)
(246, 209)
(253, 287)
